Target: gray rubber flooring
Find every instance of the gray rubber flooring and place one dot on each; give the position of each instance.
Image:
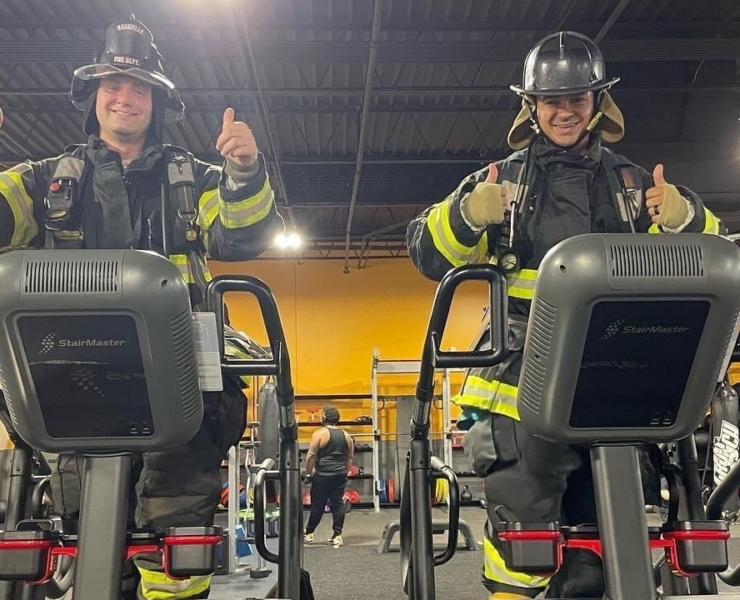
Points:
(357, 572)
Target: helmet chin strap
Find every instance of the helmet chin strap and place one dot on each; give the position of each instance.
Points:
(589, 128)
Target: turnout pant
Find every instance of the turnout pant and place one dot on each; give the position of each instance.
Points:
(179, 487)
(537, 480)
(323, 488)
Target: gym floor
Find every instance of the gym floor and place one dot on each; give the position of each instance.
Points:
(357, 572)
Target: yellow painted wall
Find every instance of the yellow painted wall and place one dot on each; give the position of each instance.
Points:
(333, 321)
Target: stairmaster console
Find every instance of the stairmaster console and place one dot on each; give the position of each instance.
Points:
(628, 335)
(79, 331)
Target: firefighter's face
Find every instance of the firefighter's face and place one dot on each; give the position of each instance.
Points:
(124, 106)
(564, 118)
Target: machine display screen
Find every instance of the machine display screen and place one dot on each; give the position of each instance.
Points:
(88, 375)
(637, 359)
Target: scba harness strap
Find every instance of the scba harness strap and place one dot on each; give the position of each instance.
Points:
(60, 203)
(182, 195)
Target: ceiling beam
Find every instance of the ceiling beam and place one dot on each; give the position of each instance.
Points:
(611, 19)
(246, 51)
(199, 51)
(289, 110)
(462, 90)
(359, 24)
(675, 151)
(670, 151)
(369, 78)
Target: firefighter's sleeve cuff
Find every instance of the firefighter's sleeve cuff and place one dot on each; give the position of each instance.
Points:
(237, 185)
(465, 233)
(689, 217)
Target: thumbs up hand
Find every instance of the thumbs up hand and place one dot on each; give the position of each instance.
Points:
(492, 173)
(664, 202)
(485, 205)
(236, 143)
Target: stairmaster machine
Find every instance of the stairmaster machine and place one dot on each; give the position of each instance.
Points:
(98, 357)
(628, 336)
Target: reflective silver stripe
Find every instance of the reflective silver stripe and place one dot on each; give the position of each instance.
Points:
(207, 208)
(181, 262)
(521, 284)
(439, 235)
(232, 216)
(492, 396)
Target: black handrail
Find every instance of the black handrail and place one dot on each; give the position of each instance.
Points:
(289, 557)
(263, 471)
(417, 553)
(433, 358)
(279, 364)
(453, 527)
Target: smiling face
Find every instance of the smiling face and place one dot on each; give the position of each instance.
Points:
(564, 118)
(124, 107)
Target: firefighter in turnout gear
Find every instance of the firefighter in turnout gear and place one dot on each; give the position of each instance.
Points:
(125, 188)
(559, 182)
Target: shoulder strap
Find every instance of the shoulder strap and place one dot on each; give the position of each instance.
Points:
(183, 195)
(624, 185)
(60, 201)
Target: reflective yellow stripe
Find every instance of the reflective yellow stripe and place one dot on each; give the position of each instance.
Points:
(245, 212)
(654, 228)
(444, 218)
(438, 222)
(503, 407)
(496, 570)
(482, 248)
(157, 586)
(521, 283)
(21, 204)
(491, 396)
(181, 262)
(207, 208)
(711, 223)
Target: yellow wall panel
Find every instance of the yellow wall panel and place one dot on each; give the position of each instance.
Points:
(333, 320)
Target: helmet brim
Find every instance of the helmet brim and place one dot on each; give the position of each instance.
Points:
(564, 92)
(99, 71)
